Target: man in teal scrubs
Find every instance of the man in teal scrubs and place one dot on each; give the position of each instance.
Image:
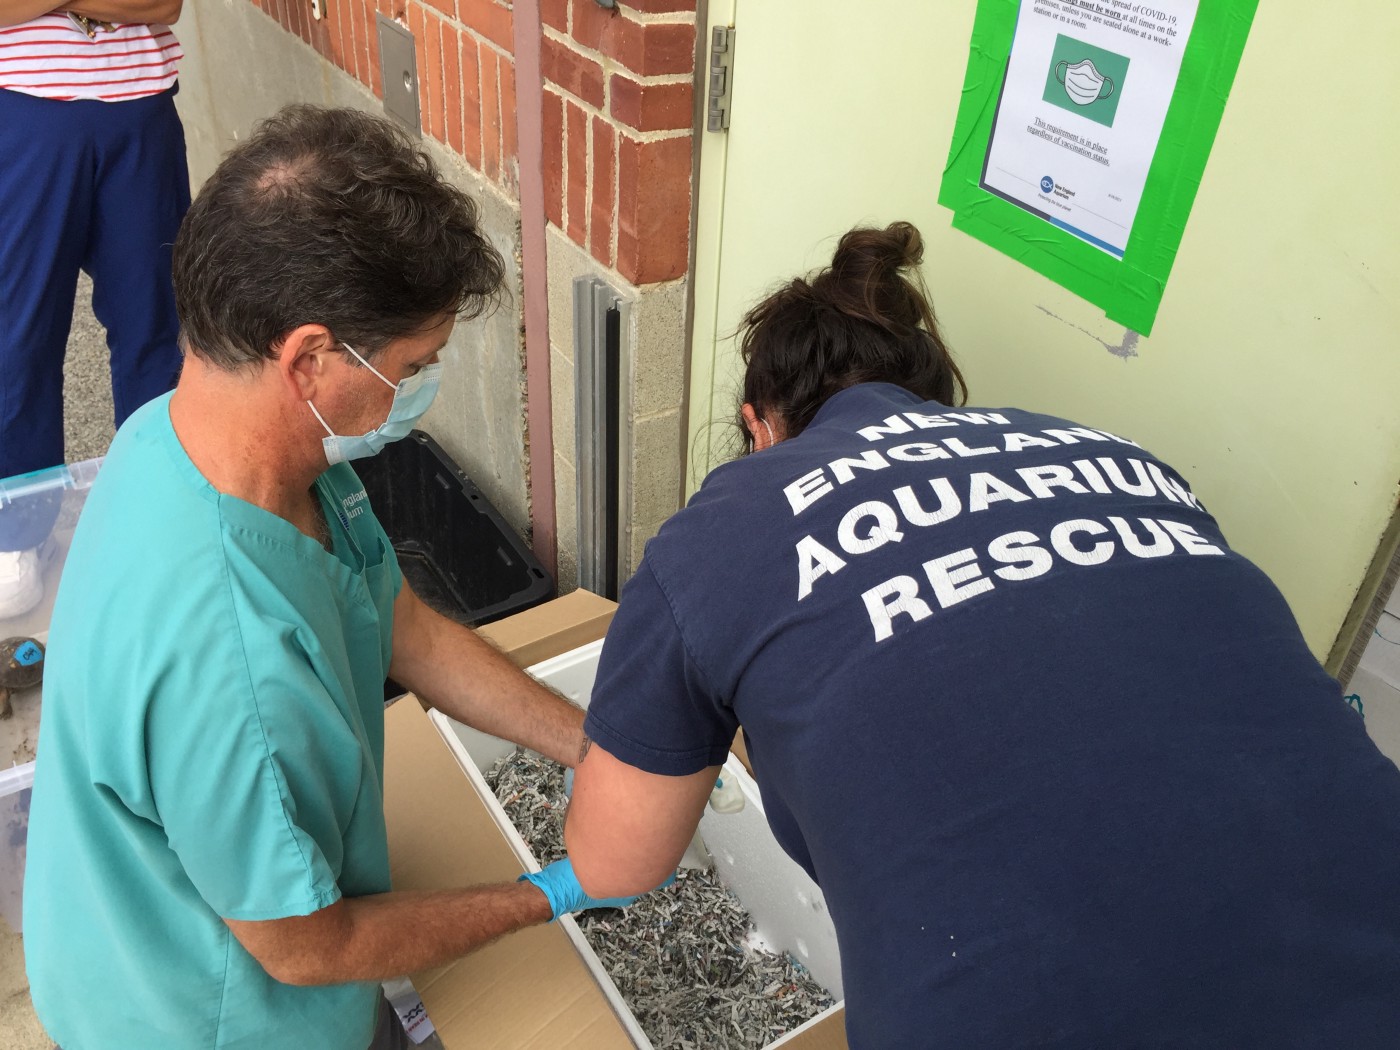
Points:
(207, 864)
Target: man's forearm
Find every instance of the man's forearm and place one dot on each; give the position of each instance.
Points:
(392, 934)
(464, 676)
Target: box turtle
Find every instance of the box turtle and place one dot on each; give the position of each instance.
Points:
(21, 667)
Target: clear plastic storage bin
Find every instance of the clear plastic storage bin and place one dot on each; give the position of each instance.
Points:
(37, 514)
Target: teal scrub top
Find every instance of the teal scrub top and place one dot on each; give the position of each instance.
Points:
(212, 746)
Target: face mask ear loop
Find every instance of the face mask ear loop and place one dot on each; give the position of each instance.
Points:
(321, 419)
(371, 367)
(771, 439)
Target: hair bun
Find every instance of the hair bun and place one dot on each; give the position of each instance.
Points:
(865, 249)
(869, 279)
(866, 318)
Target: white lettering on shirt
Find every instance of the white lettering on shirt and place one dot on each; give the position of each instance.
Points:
(895, 597)
(1061, 539)
(813, 562)
(956, 577)
(1020, 560)
(885, 529)
(806, 490)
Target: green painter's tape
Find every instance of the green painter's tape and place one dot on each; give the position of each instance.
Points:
(1129, 289)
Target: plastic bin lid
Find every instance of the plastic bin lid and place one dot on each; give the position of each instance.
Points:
(16, 779)
(65, 476)
(30, 503)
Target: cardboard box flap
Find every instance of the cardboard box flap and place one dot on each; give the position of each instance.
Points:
(531, 990)
(552, 628)
(520, 993)
(826, 1031)
(528, 991)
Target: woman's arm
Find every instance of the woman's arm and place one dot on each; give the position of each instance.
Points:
(626, 829)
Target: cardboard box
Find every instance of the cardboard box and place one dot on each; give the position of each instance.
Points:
(532, 990)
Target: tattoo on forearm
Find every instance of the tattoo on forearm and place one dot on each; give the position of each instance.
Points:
(583, 749)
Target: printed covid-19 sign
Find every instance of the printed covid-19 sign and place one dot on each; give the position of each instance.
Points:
(1083, 130)
(1087, 110)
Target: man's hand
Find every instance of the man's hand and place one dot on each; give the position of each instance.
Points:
(452, 668)
(560, 885)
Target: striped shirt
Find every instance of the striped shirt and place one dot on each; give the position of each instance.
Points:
(52, 58)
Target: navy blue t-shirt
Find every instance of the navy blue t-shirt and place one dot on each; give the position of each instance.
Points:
(1059, 759)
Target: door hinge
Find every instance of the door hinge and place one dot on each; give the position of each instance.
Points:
(721, 77)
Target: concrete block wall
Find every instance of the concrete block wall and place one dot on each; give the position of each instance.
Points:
(618, 120)
(616, 123)
(654, 352)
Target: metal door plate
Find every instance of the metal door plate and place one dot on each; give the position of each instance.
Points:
(398, 72)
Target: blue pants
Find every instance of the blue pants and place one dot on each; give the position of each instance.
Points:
(93, 186)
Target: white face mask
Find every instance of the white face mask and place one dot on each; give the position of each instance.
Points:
(1083, 82)
(412, 396)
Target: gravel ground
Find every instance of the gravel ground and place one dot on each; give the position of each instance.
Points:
(87, 384)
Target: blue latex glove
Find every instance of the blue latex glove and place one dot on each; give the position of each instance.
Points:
(560, 885)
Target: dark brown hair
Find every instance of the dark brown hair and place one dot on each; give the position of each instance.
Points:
(331, 216)
(865, 318)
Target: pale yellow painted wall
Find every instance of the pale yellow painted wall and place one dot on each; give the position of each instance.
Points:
(1272, 377)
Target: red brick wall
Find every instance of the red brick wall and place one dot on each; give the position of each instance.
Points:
(618, 104)
(617, 143)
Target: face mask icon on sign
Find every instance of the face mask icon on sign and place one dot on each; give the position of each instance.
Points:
(1083, 83)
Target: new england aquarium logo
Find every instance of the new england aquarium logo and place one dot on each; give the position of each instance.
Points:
(1047, 184)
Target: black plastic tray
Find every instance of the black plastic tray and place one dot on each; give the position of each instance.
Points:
(456, 551)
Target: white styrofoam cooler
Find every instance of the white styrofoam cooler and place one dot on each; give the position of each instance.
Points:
(787, 907)
(1380, 705)
(1376, 681)
(1382, 653)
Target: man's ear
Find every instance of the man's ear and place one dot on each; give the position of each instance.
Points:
(304, 359)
